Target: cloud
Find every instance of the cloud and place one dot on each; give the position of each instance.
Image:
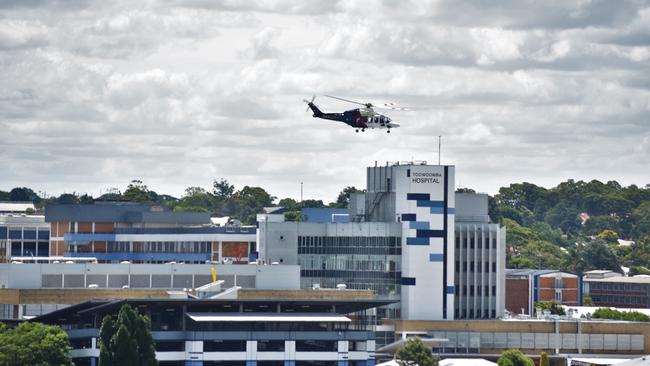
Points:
(178, 93)
(262, 44)
(17, 34)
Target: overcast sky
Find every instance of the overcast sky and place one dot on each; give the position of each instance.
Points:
(177, 93)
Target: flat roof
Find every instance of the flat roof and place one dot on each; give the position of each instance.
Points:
(269, 317)
(106, 306)
(620, 279)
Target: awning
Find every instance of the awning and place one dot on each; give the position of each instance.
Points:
(268, 317)
(598, 361)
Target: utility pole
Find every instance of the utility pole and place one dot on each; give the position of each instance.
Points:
(300, 193)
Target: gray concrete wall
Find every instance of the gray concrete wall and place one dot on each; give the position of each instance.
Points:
(30, 276)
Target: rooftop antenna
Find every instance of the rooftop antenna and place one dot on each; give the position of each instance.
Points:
(439, 143)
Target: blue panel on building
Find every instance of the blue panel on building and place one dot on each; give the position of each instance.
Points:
(199, 363)
(342, 363)
(441, 210)
(289, 363)
(450, 289)
(430, 233)
(408, 281)
(422, 203)
(408, 217)
(417, 241)
(436, 257)
(3, 233)
(422, 225)
(418, 196)
(325, 214)
(251, 363)
(84, 238)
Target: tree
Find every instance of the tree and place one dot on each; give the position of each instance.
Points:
(290, 204)
(137, 191)
(544, 360)
(607, 313)
(564, 215)
(34, 344)
(222, 189)
(23, 194)
(196, 199)
(641, 217)
(105, 333)
(127, 341)
(250, 201)
(67, 199)
(125, 348)
(414, 352)
(292, 216)
(551, 306)
(343, 199)
(598, 255)
(514, 357)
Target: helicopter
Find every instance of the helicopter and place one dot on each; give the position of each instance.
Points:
(358, 118)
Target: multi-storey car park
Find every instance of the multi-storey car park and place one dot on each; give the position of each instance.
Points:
(234, 332)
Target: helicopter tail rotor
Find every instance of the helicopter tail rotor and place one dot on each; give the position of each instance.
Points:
(313, 97)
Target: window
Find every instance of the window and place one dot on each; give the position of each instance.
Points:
(223, 346)
(170, 346)
(270, 346)
(15, 234)
(316, 346)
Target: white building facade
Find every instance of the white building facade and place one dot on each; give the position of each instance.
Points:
(409, 236)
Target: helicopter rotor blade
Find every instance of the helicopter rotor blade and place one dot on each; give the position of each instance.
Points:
(393, 106)
(348, 100)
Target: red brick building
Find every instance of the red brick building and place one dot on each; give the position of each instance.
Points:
(525, 287)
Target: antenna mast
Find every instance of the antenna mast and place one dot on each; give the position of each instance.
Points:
(439, 143)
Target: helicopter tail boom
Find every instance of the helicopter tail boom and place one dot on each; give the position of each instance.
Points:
(310, 105)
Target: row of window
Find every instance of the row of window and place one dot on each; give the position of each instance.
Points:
(616, 286)
(618, 299)
(479, 267)
(147, 247)
(349, 241)
(18, 234)
(30, 249)
(480, 290)
(237, 345)
(474, 314)
(351, 262)
(475, 242)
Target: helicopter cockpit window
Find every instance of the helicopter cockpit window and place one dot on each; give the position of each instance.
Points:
(381, 119)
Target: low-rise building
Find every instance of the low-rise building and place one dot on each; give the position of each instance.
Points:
(23, 235)
(114, 232)
(611, 289)
(525, 287)
(560, 338)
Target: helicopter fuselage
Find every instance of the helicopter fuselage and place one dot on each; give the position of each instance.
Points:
(358, 118)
